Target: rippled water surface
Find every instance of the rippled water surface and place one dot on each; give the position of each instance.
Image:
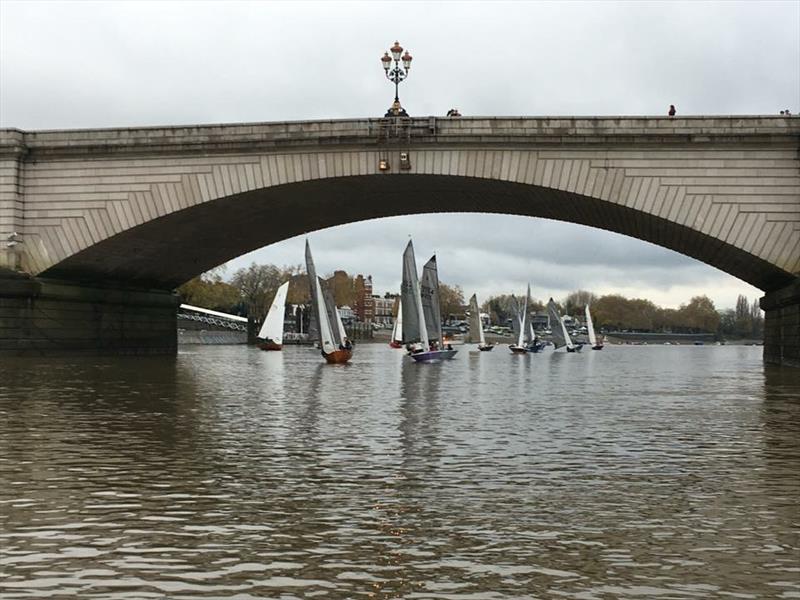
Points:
(227, 472)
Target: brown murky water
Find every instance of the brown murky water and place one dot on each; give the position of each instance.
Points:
(227, 472)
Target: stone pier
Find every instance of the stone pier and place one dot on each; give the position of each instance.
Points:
(40, 316)
(782, 326)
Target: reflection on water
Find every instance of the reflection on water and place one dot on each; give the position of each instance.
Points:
(228, 472)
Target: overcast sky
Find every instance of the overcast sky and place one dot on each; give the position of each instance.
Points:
(121, 64)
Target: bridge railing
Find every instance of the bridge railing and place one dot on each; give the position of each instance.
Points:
(212, 317)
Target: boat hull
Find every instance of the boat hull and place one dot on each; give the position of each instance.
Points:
(433, 355)
(535, 347)
(518, 349)
(395, 344)
(486, 348)
(338, 357)
(598, 347)
(270, 345)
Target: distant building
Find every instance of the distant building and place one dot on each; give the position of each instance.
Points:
(365, 303)
(384, 307)
(540, 321)
(348, 314)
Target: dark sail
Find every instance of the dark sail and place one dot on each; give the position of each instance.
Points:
(409, 298)
(555, 325)
(475, 330)
(429, 291)
(313, 323)
(516, 315)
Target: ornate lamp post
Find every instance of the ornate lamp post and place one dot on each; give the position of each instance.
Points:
(396, 75)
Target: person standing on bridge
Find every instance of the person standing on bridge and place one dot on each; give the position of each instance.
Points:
(671, 112)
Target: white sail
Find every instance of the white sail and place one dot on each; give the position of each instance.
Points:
(325, 332)
(272, 328)
(522, 319)
(570, 345)
(340, 325)
(480, 328)
(590, 327)
(529, 333)
(397, 328)
(414, 327)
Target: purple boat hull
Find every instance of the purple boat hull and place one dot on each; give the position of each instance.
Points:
(433, 355)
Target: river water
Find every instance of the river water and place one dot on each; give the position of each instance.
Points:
(228, 472)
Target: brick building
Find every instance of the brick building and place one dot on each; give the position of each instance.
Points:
(365, 304)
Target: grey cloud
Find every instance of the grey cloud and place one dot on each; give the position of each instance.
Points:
(494, 254)
(117, 64)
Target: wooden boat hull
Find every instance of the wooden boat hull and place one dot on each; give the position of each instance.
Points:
(518, 349)
(395, 344)
(486, 348)
(433, 355)
(270, 345)
(338, 357)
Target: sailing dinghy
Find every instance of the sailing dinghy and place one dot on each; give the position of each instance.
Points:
(476, 326)
(590, 328)
(560, 336)
(422, 320)
(272, 328)
(333, 342)
(522, 315)
(397, 328)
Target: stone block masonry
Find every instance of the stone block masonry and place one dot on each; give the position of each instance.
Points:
(42, 317)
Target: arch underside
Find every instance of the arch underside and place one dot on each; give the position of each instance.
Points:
(165, 252)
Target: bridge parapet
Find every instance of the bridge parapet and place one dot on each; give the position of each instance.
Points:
(499, 130)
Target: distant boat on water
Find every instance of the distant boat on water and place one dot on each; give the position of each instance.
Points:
(522, 315)
(590, 329)
(333, 342)
(476, 334)
(397, 329)
(272, 328)
(560, 335)
(422, 317)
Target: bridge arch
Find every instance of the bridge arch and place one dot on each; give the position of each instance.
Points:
(170, 249)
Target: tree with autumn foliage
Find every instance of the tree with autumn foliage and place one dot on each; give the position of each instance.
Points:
(208, 290)
(576, 301)
(257, 285)
(699, 315)
(451, 300)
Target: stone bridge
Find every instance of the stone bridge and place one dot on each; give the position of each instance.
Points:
(109, 221)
